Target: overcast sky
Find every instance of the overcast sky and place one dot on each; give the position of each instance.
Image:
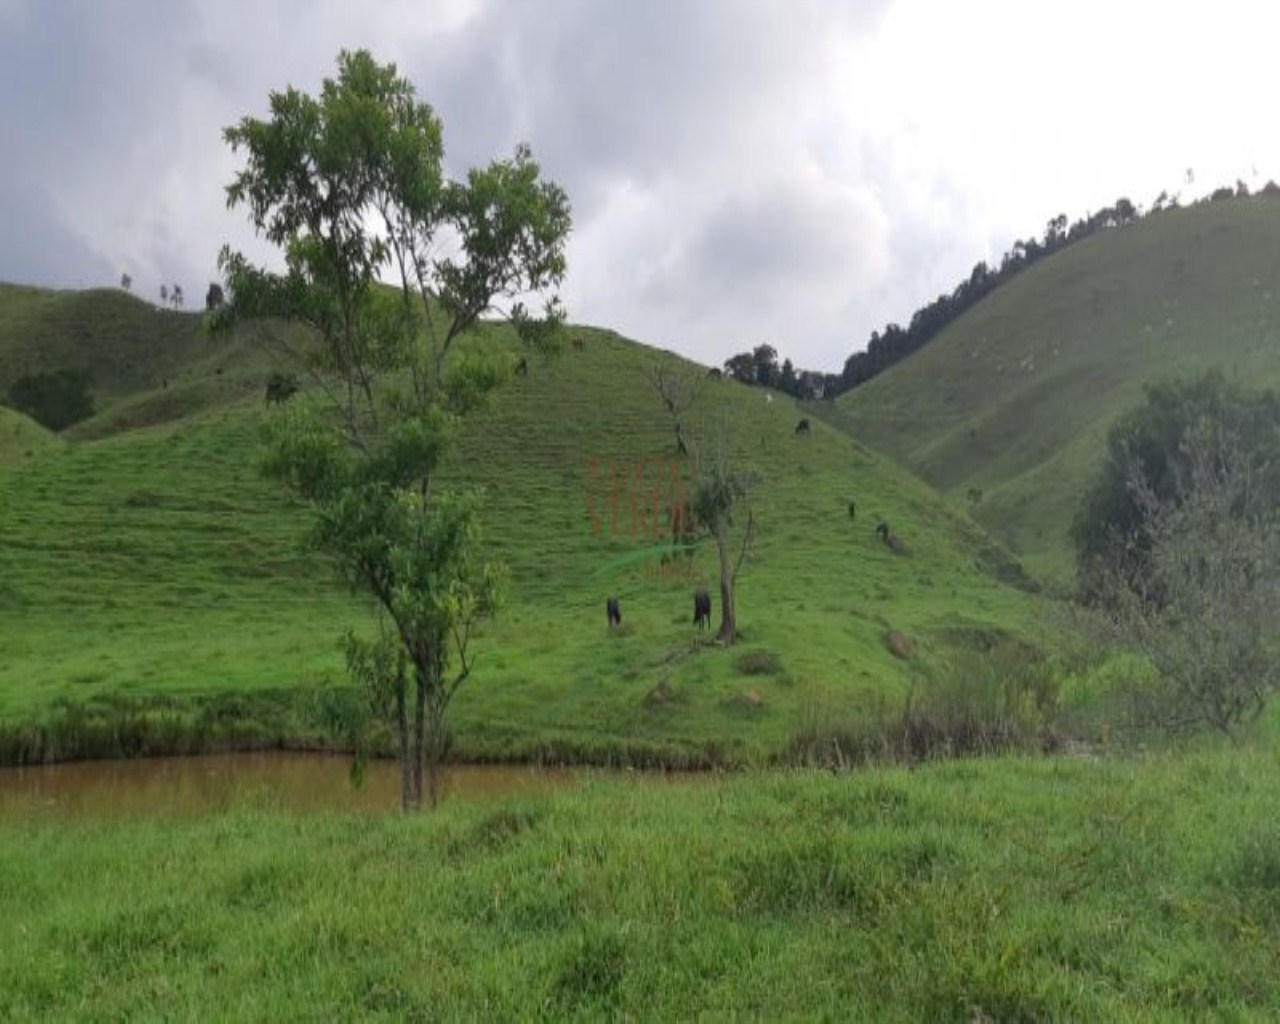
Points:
(796, 172)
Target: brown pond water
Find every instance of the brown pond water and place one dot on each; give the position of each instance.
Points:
(188, 786)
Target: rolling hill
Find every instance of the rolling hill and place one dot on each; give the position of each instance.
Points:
(146, 559)
(1007, 409)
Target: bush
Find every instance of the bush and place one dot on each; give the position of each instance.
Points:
(55, 400)
(1202, 612)
(1147, 448)
(976, 703)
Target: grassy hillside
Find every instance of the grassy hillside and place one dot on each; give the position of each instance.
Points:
(21, 439)
(1015, 398)
(149, 560)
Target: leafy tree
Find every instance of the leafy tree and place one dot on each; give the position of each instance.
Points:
(164, 294)
(214, 298)
(741, 367)
(176, 297)
(350, 184)
(788, 382)
(55, 400)
(765, 358)
(1111, 529)
(1203, 611)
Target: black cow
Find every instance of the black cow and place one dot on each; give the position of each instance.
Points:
(522, 368)
(614, 610)
(891, 540)
(280, 387)
(803, 426)
(702, 609)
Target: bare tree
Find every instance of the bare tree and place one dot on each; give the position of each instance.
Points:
(679, 390)
(126, 282)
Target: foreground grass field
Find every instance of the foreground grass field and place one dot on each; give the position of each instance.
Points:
(999, 890)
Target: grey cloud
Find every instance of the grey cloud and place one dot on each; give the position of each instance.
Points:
(41, 248)
(728, 186)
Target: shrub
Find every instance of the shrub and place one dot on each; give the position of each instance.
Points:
(55, 400)
(758, 663)
(1147, 449)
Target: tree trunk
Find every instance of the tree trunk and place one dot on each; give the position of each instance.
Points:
(402, 730)
(419, 728)
(435, 744)
(728, 618)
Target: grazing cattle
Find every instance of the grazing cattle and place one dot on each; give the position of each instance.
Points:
(891, 540)
(280, 388)
(702, 609)
(614, 610)
(522, 368)
(803, 427)
(579, 344)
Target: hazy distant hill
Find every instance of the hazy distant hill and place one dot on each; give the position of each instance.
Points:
(144, 553)
(1014, 398)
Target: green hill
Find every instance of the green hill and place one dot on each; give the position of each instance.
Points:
(20, 438)
(1014, 399)
(149, 561)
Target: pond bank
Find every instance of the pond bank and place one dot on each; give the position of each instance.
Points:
(118, 727)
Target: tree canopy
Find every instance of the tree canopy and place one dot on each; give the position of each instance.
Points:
(1148, 452)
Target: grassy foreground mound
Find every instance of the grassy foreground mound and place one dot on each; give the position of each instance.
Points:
(994, 890)
(155, 595)
(1014, 399)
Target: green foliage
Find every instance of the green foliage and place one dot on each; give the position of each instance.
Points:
(970, 703)
(1201, 607)
(55, 400)
(980, 702)
(1149, 460)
